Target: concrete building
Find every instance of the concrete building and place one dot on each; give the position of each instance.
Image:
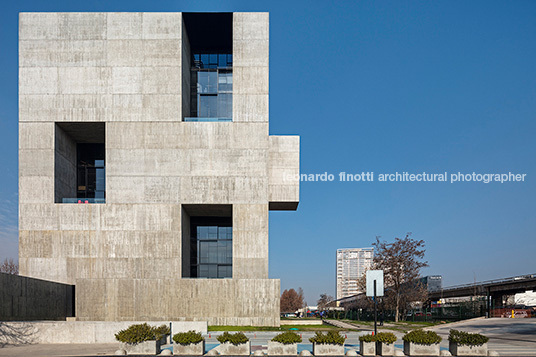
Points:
(146, 168)
(352, 263)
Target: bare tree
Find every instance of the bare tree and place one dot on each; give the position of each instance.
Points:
(401, 263)
(291, 300)
(324, 301)
(9, 266)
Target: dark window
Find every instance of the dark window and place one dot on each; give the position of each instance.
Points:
(211, 253)
(90, 171)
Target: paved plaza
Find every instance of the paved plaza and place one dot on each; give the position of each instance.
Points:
(509, 337)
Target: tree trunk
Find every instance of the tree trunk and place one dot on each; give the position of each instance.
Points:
(397, 307)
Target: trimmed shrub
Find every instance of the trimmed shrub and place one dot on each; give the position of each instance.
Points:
(136, 334)
(422, 337)
(287, 338)
(161, 331)
(188, 338)
(385, 337)
(466, 338)
(367, 338)
(331, 338)
(234, 338)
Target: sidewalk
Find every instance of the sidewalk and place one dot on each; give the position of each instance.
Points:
(57, 350)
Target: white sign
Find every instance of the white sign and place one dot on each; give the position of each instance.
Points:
(374, 276)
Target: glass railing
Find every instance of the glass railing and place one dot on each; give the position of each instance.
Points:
(208, 119)
(84, 200)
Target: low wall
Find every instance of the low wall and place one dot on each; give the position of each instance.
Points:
(27, 299)
(237, 302)
(79, 331)
(301, 322)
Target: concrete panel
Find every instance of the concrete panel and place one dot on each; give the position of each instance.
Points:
(82, 26)
(250, 268)
(124, 25)
(66, 107)
(60, 53)
(161, 107)
(283, 172)
(250, 80)
(38, 80)
(38, 26)
(36, 189)
(36, 135)
(251, 26)
(52, 269)
(36, 244)
(161, 80)
(125, 52)
(250, 241)
(126, 80)
(162, 53)
(36, 162)
(250, 108)
(250, 53)
(84, 80)
(161, 25)
(41, 216)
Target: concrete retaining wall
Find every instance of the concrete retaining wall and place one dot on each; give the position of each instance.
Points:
(79, 331)
(26, 299)
(301, 322)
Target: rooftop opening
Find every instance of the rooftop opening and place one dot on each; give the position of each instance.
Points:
(209, 48)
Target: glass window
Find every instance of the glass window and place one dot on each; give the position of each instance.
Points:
(208, 106)
(213, 257)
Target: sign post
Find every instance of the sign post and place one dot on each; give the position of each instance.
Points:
(375, 289)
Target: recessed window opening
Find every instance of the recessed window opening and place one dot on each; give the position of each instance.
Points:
(207, 241)
(211, 76)
(79, 163)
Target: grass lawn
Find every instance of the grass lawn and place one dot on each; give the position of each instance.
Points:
(270, 328)
(401, 326)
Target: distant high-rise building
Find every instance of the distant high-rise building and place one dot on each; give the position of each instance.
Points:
(432, 282)
(351, 265)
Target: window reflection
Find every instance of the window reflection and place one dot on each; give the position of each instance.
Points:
(212, 245)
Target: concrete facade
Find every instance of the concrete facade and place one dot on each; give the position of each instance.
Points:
(129, 74)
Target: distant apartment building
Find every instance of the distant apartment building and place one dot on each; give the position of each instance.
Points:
(351, 265)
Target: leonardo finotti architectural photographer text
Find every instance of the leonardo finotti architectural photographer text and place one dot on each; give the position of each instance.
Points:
(370, 176)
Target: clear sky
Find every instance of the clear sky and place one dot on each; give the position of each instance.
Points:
(379, 86)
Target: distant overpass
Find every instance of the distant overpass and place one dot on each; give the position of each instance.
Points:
(493, 290)
(506, 286)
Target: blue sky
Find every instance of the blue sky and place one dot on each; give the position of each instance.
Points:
(381, 86)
